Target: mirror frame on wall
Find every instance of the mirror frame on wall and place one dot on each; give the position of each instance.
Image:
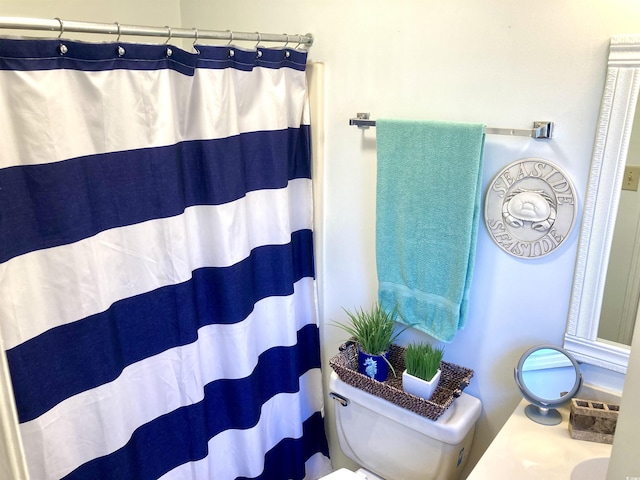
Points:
(601, 207)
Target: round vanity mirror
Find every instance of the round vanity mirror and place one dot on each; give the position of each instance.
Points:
(547, 376)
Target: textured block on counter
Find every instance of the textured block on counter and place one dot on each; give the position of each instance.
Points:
(593, 421)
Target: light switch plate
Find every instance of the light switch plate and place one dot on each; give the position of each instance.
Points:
(631, 177)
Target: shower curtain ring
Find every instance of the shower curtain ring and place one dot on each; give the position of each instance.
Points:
(195, 40)
(61, 26)
(258, 52)
(169, 31)
(230, 37)
(287, 42)
(299, 42)
(118, 27)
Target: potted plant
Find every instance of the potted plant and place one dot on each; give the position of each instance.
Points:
(373, 332)
(422, 374)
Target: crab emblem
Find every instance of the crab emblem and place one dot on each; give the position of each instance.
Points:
(534, 206)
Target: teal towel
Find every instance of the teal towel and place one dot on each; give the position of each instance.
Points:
(427, 215)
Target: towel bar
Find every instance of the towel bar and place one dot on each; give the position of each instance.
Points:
(540, 130)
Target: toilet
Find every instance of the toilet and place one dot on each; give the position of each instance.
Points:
(393, 443)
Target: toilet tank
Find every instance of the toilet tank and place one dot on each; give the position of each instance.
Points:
(398, 444)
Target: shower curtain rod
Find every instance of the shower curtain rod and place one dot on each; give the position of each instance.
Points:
(63, 26)
(541, 130)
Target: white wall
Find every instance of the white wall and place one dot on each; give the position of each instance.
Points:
(625, 461)
(501, 62)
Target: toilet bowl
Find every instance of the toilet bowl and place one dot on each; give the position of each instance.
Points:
(393, 443)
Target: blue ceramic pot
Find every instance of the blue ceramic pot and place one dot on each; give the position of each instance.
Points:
(373, 366)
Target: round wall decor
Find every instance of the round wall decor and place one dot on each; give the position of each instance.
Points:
(530, 208)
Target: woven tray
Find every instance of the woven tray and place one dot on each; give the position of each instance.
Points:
(452, 381)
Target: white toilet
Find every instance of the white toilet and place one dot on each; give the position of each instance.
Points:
(393, 443)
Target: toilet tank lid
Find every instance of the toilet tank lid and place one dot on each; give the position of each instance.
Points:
(452, 427)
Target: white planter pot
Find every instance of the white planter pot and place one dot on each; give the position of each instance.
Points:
(418, 387)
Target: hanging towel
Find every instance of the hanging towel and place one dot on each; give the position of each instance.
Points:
(428, 209)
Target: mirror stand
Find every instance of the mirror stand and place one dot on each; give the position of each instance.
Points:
(544, 416)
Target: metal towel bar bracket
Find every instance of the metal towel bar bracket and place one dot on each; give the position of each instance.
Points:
(540, 130)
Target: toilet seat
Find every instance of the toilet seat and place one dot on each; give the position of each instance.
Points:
(344, 474)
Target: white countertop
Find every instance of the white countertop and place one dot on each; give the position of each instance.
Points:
(525, 450)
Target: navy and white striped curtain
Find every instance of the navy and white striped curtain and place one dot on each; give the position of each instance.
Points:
(156, 276)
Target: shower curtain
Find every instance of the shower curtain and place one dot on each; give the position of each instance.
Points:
(157, 278)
